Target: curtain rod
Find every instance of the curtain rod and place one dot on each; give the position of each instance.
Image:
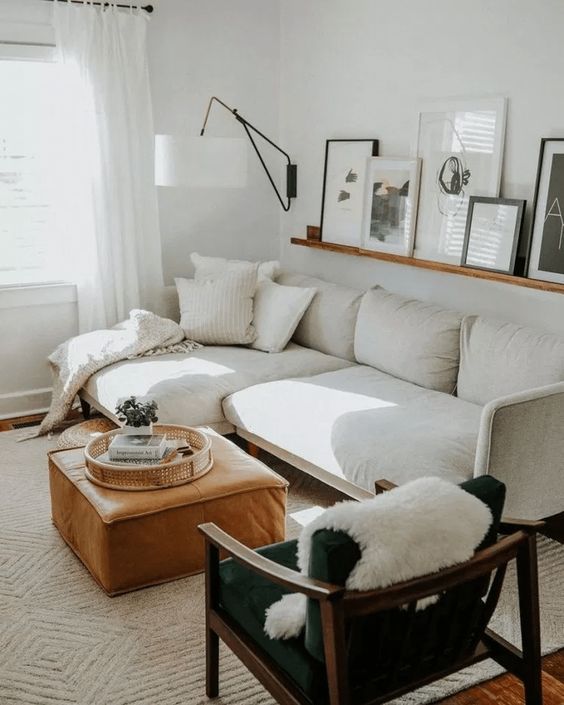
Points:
(147, 8)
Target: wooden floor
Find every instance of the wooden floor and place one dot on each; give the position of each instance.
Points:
(504, 690)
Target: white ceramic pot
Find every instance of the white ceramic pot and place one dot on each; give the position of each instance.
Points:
(137, 430)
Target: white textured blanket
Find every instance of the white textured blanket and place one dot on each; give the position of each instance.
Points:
(419, 528)
(75, 360)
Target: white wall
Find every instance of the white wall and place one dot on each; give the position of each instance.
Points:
(231, 50)
(196, 49)
(33, 320)
(358, 69)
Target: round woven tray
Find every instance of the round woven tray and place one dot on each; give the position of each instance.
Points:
(179, 471)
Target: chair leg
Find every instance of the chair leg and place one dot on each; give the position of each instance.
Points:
(212, 663)
(212, 639)
(333, 625)
(527, 577)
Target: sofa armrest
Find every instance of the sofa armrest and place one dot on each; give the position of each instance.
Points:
(521, 443)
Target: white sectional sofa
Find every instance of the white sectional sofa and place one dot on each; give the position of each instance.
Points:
(373, 386)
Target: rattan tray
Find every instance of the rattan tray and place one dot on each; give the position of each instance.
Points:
(179, 471)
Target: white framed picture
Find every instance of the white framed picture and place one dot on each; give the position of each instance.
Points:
(344, 177)
(460, 141)
(390, 207)
(546, 254)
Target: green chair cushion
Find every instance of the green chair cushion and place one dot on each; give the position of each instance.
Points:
(245, 596)
(334, 554)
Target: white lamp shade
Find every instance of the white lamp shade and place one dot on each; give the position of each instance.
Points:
(200, 162)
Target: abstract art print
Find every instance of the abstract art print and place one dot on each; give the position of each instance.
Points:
(492, 233)
(546, 255)
(344, 188)
(461, 144)
(390, 212)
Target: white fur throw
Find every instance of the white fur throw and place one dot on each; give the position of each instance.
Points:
(419, 528)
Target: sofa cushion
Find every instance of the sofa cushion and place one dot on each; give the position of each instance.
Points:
(219, 312)
(329, 322)
(499, 358)
(212, 267)
(410, 339)
(278, 310)
(363, 424)
(189, 388)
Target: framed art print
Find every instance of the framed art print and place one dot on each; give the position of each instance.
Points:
(546, 253)
(390, 211)
(461, 144)
(344, 188)
(492, 233)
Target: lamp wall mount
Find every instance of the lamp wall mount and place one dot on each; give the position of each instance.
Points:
(291, 169)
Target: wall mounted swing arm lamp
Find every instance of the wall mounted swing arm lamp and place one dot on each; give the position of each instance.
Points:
(291, 169)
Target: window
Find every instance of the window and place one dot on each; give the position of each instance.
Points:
(29, 245)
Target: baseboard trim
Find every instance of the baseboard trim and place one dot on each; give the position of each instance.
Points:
(25, 403)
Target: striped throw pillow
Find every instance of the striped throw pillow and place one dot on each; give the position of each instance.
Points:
(218, 312)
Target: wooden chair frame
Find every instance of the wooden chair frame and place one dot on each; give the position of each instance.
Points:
(337, 605)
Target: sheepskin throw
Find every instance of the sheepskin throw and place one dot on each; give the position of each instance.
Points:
(419, 528)
(75, 360)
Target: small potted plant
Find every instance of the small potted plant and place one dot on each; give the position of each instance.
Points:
(137, 416)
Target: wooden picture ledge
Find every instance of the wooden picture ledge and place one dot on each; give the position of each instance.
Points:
(429, 264)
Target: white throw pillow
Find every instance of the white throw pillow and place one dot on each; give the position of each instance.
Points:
(278, 310)
(218, 312)
(212, 267)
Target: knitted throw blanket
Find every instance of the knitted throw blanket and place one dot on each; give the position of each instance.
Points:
(414, 530)
(74, 361)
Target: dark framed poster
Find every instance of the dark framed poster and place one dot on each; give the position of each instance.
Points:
(344, 180)
(546, 247)
(492, 233)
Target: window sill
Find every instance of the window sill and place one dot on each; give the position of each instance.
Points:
(37, 294)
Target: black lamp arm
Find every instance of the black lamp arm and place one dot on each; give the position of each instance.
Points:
(291, 170)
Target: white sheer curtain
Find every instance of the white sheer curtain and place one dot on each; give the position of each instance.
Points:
(107, 197)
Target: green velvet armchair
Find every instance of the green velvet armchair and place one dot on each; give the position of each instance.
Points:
(366, 648)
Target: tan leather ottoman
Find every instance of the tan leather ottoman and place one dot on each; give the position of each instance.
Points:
(129, 540)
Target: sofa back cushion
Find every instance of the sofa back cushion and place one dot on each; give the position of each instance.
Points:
(499, 358)
(410, 339)
(328, 324)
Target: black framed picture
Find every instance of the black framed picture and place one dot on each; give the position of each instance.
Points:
(493, 227)
(545, 259)
(344, 180)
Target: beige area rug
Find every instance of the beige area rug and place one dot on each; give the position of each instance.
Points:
(63, 642)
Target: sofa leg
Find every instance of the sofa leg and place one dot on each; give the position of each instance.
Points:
(85, 406)
(252, 449)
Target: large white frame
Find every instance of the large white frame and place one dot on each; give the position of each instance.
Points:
(438, 236)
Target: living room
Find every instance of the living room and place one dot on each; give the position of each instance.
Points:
(405, 326)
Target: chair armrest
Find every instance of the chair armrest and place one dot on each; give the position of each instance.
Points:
(521, 443)
(507, 525)
(276, 573)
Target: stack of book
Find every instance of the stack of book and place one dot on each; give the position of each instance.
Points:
(142, 449)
